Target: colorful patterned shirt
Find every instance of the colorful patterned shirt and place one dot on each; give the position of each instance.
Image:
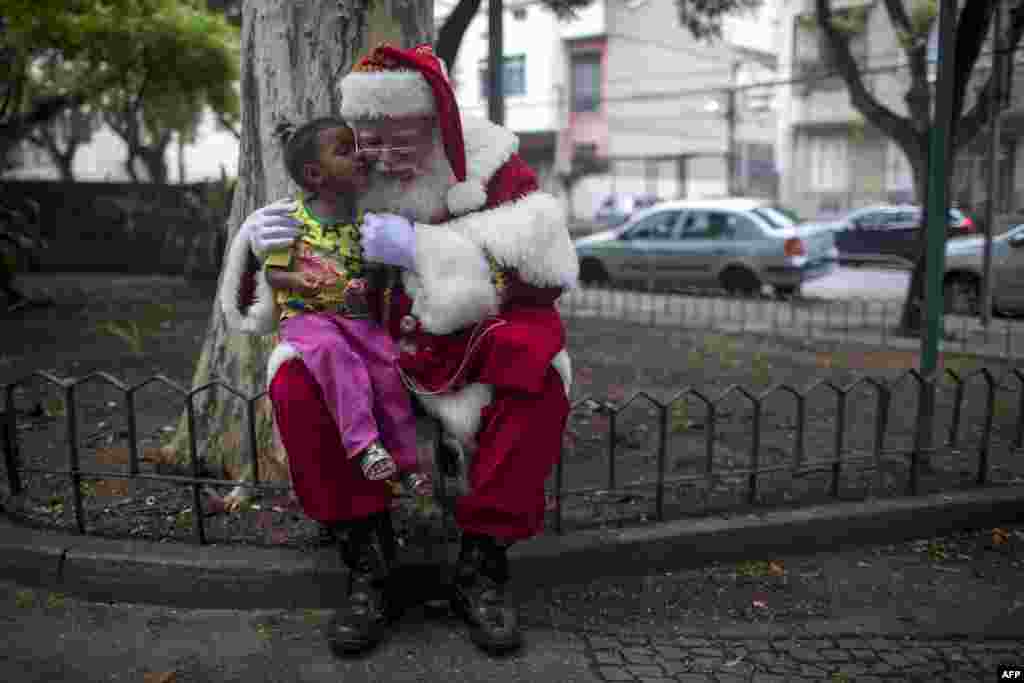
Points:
(329, 250)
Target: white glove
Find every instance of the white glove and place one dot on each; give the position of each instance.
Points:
(272, 228)
(389, 239)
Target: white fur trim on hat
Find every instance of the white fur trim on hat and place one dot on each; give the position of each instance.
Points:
(373, 94)
(465, 197)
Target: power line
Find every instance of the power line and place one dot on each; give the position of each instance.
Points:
(716, 89)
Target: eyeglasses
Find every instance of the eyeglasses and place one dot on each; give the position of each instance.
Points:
(376, 151)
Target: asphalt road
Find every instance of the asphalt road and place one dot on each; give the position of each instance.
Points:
(861, 283)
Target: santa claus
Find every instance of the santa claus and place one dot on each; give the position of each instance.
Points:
(484, 256)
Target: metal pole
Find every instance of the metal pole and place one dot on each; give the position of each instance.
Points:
(495, 62)
(731, 120)
(994, 104)
(938, 187)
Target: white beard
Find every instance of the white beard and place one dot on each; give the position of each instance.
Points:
(421, 199)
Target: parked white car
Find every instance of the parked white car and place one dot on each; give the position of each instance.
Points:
(735, 244)
(962, 281)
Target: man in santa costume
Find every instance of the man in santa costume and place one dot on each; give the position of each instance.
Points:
(484, 256)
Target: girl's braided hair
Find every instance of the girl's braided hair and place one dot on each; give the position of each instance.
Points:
(302, 143)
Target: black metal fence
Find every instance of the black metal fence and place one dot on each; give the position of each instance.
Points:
(997, 428)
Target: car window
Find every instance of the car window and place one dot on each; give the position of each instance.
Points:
(657, 226)
(776, 217)
(867, 219)
(706, 225)
(742, 227)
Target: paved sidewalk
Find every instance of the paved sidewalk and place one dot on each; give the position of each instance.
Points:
(802, 595)
(945, 609)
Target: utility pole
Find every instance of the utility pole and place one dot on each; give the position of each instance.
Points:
(496, 61)
(995, 103)
(938, 207)
(730, 117)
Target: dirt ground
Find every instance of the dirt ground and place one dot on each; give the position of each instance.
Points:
(134, 327)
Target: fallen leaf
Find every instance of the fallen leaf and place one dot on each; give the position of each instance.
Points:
(733, 662)
(760, 604)
(776, 569)
(160, 677)
(1000, 536)
(278, 536)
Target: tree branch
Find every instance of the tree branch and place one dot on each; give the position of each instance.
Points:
(225, 124)
(896, 127)
(449, 36)
(970, 124)
(971, 30)
(918, 97)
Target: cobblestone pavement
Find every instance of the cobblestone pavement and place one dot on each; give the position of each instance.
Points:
(839, 659)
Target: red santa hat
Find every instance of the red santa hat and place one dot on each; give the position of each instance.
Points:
(391, 82)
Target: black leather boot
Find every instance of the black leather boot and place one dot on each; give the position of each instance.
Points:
(368, 549)
(479, 595)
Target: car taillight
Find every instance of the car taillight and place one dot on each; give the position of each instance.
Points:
(967, 225)
(794, 246)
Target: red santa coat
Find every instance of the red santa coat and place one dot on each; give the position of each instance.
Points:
(492, 366)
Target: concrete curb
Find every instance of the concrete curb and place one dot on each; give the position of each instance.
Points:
(236, 577)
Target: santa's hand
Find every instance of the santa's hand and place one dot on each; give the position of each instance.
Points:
(389, 239)
(272, 228)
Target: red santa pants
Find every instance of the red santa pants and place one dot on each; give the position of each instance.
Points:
(519, 442)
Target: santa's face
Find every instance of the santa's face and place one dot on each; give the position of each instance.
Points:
(410, 174)
(396, 147)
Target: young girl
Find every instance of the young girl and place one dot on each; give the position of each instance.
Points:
(330, 302)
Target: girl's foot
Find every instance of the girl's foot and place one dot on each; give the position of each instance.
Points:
(377, 463)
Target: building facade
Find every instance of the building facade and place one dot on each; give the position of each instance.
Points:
(831, 159)
(625, 88)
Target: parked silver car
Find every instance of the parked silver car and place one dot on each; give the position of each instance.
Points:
(735, 244)
(964, 267)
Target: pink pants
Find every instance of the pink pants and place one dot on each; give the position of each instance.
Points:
(353, 362)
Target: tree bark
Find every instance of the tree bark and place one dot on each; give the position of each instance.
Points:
(294, 54)
(449, 36)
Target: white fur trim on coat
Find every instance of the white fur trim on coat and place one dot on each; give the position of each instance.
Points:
(452, 288)
(371, 95)
(563, 366)
(459, 412)
(488, 147)
(529, 235)
(281, 354)
(261, 317)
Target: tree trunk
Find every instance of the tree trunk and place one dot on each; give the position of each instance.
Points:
(294, 54)
(65, 164)
(912, 316)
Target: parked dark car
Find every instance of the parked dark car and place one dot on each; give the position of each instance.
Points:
(888, 233)
(619, 207)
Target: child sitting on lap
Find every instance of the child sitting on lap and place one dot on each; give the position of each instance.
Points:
(330, 302)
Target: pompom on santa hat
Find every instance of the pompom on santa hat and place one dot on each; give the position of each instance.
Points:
(391, 82)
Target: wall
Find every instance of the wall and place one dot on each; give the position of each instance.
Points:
(122, 227)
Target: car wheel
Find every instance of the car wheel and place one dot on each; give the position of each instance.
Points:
(740, 282)
(787, 292)
(593, 273)
(962, 295)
